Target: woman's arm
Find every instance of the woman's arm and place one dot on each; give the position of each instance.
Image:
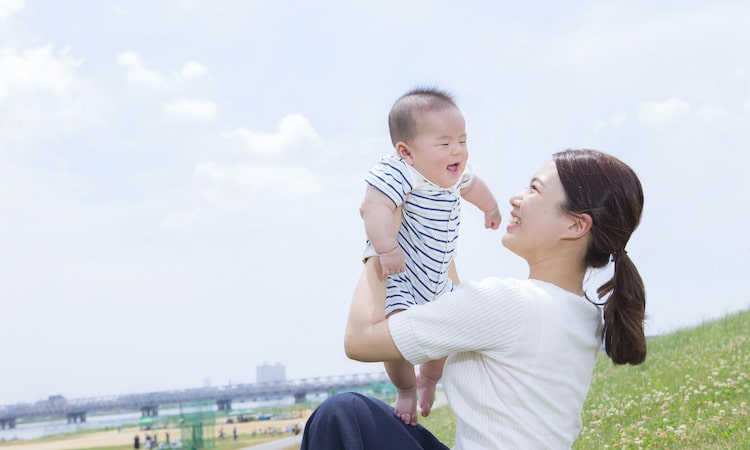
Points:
(367, 337)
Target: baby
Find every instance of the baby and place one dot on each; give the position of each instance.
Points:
(411, 212)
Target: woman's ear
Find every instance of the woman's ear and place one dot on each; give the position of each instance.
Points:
(404, 152)
(581, 224)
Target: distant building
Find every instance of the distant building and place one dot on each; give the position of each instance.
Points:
(56, 400)
(267, 372)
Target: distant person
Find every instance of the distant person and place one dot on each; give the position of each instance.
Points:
(521, 352)
(234, 433)
(412, 213)
(136, 442)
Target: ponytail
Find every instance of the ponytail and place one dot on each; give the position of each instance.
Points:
(624, 313)
(609, 191)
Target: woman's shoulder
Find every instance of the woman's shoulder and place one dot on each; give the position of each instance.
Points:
(532, 287)
(513, 290)
(497, 289)
(495, 283)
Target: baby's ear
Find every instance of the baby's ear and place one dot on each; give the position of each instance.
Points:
(404, 152)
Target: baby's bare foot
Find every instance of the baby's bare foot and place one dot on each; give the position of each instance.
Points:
(426, 390)
(406, 406)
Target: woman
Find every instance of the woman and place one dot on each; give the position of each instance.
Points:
(520, 352)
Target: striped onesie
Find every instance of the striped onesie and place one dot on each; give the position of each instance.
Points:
(430, 220)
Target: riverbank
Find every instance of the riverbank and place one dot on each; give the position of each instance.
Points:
(126, 436)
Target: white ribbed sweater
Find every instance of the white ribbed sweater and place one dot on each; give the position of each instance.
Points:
(521, 357)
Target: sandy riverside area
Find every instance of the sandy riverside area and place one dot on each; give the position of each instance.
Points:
(126, 436)
(114, 437)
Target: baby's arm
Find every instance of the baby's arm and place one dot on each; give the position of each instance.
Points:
(479, 195)
(381, 226)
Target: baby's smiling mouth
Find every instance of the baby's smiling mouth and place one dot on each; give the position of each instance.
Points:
(453, 168)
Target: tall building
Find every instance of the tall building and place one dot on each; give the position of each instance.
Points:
(267, 372)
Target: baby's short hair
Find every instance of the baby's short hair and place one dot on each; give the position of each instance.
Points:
(402, 118)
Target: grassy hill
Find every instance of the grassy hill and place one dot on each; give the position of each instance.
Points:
(692, 392)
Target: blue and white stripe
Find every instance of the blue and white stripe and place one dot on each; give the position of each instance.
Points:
(430, 221)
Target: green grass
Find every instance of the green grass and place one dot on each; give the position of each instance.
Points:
(442, 423)
(693, 392)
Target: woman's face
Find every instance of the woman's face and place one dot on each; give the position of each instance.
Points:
(536, 220)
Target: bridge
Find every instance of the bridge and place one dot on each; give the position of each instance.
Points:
(148, 404)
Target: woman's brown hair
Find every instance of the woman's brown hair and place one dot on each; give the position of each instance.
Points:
(609, 191)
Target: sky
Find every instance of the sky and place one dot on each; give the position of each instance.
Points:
(180, 180)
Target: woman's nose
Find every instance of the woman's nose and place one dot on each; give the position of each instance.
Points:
(515, 200)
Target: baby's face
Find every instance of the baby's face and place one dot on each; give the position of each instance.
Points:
(438, 150)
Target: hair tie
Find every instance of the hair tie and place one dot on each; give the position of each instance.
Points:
(617, 254)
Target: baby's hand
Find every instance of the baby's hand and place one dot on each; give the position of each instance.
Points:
(492, 219)
(392, 262)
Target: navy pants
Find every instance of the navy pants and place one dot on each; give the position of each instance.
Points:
(351, 421)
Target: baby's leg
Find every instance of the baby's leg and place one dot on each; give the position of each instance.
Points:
(402, 376)
(429, 374)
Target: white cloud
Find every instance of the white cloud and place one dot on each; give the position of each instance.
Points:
(747, 105)
(37, 69)
(40, 90)
(9, 7)
(660, 113)
(293, 131)
(189, 109)
(236, 186)
(137, 73)
(232, 187)
(193, 69)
